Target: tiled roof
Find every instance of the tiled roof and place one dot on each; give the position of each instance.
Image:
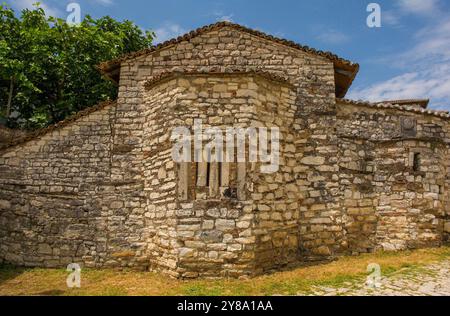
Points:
(407, 108)
(108, 66)
(420, 102)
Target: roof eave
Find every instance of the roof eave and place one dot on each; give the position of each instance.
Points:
(110, 72)
(423, 103)
(344, 77)
(387, 106)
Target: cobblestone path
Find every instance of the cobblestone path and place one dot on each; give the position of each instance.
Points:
(431, 280)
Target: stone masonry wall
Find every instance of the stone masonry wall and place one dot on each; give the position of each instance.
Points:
(232, 231)
(275, 196)
(316, 145)
(160, 179)
(48, 195)
(391, 201)
(104, 190)
(59, 205)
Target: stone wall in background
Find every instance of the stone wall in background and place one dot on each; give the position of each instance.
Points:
(49, 202)
(8, 135)
(394, 175)
(59, 203)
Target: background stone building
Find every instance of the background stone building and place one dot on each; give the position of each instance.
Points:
(101, 188)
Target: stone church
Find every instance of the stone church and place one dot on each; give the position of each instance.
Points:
(101, 188)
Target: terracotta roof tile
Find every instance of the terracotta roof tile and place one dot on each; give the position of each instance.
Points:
(419, 102)
(406, 108)
(107, 66)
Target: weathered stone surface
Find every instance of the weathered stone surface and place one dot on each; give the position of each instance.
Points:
(104, 191)
(5, 204)
(45, 249)
(323, 251)
(313, 161)
(213, 236)
(224, 224)
(447, 227)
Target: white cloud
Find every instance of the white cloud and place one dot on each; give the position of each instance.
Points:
(433, 83)
(403, 8)
(227, 18)
(105, 2)
(28, 4)
(433, 42)
(391, 18)
(168, 31)
(219, 15)
(428, 75)
(333, 37)
(421, 7)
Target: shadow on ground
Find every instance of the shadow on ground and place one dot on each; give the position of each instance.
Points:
(8, 272)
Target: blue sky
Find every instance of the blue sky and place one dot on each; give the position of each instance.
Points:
(408, 57)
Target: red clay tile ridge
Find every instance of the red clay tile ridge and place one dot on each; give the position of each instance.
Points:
(406, 108)
(112, 65)
(423, 103)
(211, 27)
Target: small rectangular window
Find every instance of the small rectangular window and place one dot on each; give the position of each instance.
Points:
(213, 180)
(416, 162)
(220, 173)
(208, 174)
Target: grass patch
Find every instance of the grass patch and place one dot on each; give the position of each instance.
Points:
(341, 273)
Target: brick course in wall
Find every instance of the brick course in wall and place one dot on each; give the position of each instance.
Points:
(102, 189)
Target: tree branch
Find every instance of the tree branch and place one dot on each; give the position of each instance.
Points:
(11, 90)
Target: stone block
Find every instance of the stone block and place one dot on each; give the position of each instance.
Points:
(313, 161)
(225, 224)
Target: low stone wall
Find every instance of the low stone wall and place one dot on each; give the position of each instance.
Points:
(58, 204)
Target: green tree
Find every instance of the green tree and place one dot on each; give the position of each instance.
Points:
(47, 67)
